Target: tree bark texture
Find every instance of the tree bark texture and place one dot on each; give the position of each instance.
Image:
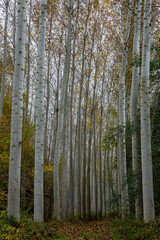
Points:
(4, 60)
(136, 165)
(147, 178)
(39, 129)
(17, 113)
(122, 118)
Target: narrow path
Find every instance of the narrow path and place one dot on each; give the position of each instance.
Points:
(89, 230)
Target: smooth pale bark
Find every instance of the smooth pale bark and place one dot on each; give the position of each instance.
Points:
(39, 128)
(111, 174)
(75, 166)
(79, 210)
(26, 104)
(79, 137)
(65, 116)
(88, 198)
(28, 61)
(47, 175)
(61, 127)
(95, 168)
(56, 107)
(106, 176)
(71, 170)
(14, 31)
(4, 59)
(106, 183)
(122, 118)
(93, 123)
(71, 160)
(100, 174)
(48, 93)
(56, 186)
(88, 178)
(104, 186)
(17, 113)
(147, 178)
(89, 161)
(136, 164)
(119, 178)
(100, 145)
(65, 166)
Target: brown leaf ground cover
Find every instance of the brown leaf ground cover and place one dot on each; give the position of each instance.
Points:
(30, 230)
(84, 230)
(113, 228)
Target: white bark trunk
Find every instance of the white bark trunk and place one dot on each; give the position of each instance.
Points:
(122, 117)
(65, 116)
(16, 122)
(136, 166)
(147, 178)
(93, 122)
(72, 157)
(4, 60)
(14, 31)
(61, 127)
(39, 131)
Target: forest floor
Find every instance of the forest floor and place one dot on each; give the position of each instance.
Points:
(85, 230)
(110, 229)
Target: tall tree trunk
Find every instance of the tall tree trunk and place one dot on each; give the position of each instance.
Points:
(48, 184)
(122, 118)
(136, 165)
(16, 122)
(147, 178)
(79, 139)
(62, 126)
(14, 31)
(65, 117)
(106, 183)
(4, 59)
(56, 106)
(39, 129)
(100, 144)
(25, 123)
(71, 163)
(119, 178)
(28, 62)
(91, 131)
(79, 128)
(88, 208)
(95, 168)
(93, 123)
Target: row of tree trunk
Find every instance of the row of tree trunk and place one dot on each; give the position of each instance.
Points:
(90, 183)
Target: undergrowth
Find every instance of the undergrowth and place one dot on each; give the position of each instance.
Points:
(10, 228)
(132, 229)
(110, 228)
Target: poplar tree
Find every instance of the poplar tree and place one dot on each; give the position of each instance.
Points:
(4, 59)
(39, 131)
(17, 113)
(136, 165)
(122, 118)
(147, 178)
(60, 140)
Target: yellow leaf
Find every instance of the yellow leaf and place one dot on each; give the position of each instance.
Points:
(48, 169)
